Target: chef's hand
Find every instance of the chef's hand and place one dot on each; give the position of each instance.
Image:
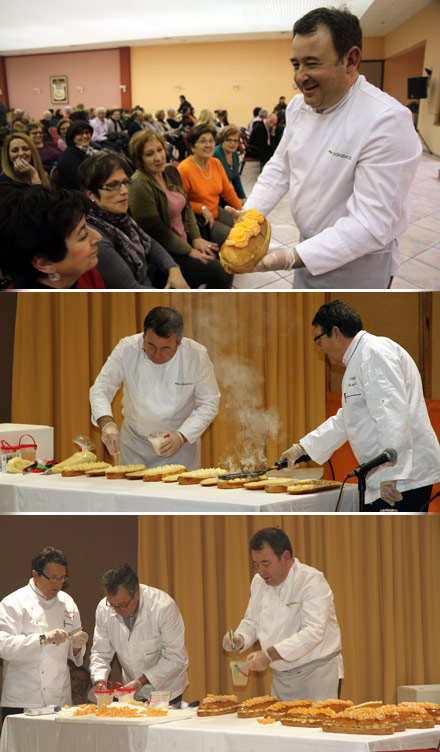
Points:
(91, 696)
(257, 661)
(110, 437)
(282, 259)
(292, 455)
(79, 639)
(136, 684)
(235, 213)
(389, 492)
(55, 637)
(176, 280)
(238, 642)
(171, 444)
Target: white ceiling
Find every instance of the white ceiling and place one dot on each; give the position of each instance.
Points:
(28, 27)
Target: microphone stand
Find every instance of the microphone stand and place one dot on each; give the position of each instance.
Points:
(360, 475)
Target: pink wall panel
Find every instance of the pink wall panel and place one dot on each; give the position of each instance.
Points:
(97, 71)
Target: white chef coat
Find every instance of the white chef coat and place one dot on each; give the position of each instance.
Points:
(297, 618)
(36, 675)
(382, 407)
(155, 647)
(180, 395)
(348, 171)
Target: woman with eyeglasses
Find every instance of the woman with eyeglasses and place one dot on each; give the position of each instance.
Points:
(78, 138)
(128, 257)
(205, 181)
(226, 152)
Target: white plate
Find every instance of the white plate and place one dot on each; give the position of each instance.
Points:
(66, 716)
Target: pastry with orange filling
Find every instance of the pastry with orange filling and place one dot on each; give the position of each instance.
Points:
(247, 243)
(360, 721)
(310, 717)
(255, 706)
(218, 705)
(279, 709)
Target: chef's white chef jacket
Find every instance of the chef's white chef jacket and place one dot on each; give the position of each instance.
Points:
(155, 647)
(180, 395)
(348, 171)
(297, 618)
(36, 675)
(382, 407)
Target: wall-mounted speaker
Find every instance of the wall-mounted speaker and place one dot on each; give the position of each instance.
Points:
(418, 87)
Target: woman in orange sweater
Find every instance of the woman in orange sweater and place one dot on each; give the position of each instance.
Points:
(205, 180)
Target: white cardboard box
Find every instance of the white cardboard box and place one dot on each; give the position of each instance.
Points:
(419, 693)
(43, 435)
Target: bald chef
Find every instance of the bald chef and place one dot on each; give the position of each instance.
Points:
(169, 387)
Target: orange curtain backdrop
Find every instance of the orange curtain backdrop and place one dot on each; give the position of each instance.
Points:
(272, 380)
(383, 570)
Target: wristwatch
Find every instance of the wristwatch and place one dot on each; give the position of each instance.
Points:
(204, 208)
(42, 639)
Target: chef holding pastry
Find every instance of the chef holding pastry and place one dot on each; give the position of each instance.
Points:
(40, 630)
(292, 614)
(383, 407)
(170, 394)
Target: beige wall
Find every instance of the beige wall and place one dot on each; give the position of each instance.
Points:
(207, 71)
(423, 28)
(398, 69)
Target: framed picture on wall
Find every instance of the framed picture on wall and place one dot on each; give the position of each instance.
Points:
(58, 89)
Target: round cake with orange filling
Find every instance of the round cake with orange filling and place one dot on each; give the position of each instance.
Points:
(218, 705)
(247, 243)
(360, 721)
(310, 717)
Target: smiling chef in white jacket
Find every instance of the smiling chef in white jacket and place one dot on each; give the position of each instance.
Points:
(382, 407)
(36, 623)
(348, 156)
(169, 387)
(145, 629)
(292, 613)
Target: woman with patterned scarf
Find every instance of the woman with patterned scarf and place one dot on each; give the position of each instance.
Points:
(128, 257)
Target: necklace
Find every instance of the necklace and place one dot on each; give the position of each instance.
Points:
(207, 177)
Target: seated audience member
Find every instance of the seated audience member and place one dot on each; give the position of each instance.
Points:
(137, 123)
(115, 124)
(206, 117)
(221, 120)
(48, 121)
(188, 119)
(172, 118)
(172, 133)
(265, 136)
(125, 250)
(160, 206)
(63, 126)
(150, 122)
(47, 150)
(226, 152)
(205, 180)
(21, 165)
(164, 127)
(258, 118)
(3, 114)
(79, 113)
(78, 139)
(46, 242)
(80, 684)
(99, 125)
(58, 114)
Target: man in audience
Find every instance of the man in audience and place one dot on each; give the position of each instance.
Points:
(348, 156)
(145, 629)
(137, 123)
(292, 614)
(99, 125)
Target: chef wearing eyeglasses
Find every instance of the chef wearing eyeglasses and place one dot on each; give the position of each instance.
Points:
(40, 630)
(145, 629)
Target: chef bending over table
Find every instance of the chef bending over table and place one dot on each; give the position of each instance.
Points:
(169, 388)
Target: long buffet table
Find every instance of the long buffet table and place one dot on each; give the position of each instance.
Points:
(35, 493)
(222, 734)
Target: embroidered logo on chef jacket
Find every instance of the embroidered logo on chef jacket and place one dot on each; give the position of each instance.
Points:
(68, 618)
(339, 154)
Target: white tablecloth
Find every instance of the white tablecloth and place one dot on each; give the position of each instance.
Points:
(222, 734)
(33, 493)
